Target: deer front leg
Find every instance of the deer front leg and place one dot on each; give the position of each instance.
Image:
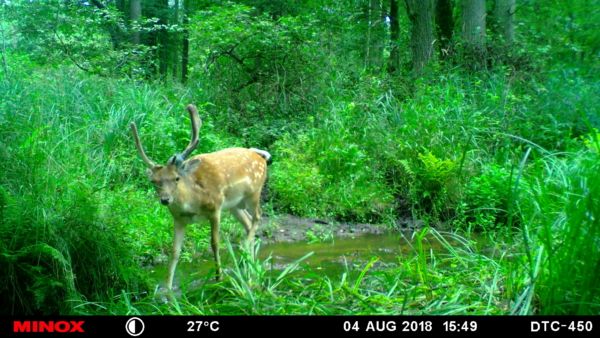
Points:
(215, 221)
(177, 242)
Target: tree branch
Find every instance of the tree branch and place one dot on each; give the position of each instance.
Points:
(67, 52)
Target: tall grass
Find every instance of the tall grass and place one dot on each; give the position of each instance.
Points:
(459, 281)
(562, 236)
(75, 221)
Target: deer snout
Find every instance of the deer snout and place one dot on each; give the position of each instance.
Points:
(165, 200)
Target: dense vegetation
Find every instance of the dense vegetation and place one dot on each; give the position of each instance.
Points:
(368, 117)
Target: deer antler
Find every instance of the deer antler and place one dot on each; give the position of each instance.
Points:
(196, 124)
(140, 149)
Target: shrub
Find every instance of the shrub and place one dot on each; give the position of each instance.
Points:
(486, 196)
(328, 171)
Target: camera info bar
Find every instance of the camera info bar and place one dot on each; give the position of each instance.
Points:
(350, 326)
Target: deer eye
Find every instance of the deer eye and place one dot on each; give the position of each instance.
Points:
(177, 179)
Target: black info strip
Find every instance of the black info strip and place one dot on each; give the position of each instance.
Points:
(351, 326)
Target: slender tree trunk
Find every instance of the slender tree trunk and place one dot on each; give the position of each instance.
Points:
(135, 13)
(473, 24)
(121, 6)
(504, 14)
(185, 47)
(367, 18)
(420, 13)
(394, 61)
(444, 20)
(379, 30)
(163, 38)
(375, 35)
(175, 43)
(151, 38)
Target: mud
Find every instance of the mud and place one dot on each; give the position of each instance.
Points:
(289, 228)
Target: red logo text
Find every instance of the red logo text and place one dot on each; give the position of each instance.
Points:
(60, 326)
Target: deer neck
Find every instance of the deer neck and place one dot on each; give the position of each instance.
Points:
(190, 198)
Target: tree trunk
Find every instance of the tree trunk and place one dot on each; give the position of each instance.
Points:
(444, 20)
(185, 47)
(394, 61)
(375, 35)
(135, 13)
(121, 6)
(420, 13)
(504, 14)
(473, 24)
(175, 43)
(151, 38)
(163, 38)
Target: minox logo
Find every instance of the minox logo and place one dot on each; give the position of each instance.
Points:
(60, 326)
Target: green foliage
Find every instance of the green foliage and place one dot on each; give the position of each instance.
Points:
(572, 36)
(297, 183)
(434, 180)
(486, 199)
(255, 69)
(561, 237)
(93, 39)
(592, 141)
(330, 171)
(436, 171)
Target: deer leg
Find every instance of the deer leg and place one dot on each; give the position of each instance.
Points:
(177, 242)
(215, 221)
(253, 208)
(243, 217)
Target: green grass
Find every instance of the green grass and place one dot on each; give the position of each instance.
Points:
(421, 284)
(76, 219)
(561, 236)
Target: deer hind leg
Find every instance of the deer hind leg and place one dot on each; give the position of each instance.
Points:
(177, 242)
(243, 217)
(253, 209)
(215, 221)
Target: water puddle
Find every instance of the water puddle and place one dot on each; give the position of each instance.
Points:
(329, 257)
(360, 248)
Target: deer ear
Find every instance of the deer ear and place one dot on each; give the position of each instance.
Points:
(189, 167)
(150, 171)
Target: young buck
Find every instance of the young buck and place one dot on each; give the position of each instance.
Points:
(199, 187)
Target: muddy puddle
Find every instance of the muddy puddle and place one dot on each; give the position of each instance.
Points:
(330, 257)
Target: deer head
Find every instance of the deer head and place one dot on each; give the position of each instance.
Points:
(175, 174)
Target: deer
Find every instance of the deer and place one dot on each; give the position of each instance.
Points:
(200, 187)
